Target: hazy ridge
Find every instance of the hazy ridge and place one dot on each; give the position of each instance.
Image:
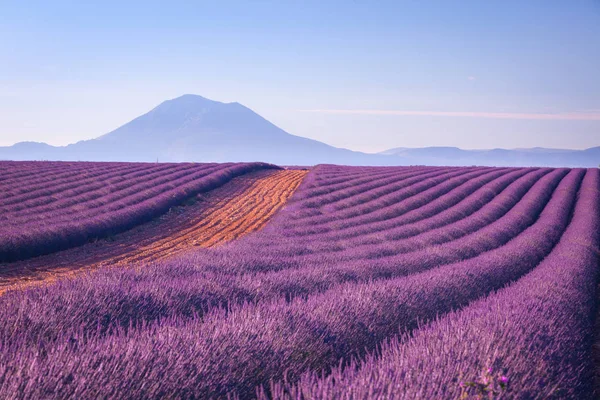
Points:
(193, 128)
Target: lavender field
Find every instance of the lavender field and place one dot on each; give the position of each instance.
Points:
(371, 282)
(50, 206)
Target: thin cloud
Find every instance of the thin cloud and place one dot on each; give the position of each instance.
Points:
(570, 116)
(471, 78)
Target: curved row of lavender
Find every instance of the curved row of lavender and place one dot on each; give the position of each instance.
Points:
(312, 291)
(46, 207)
(534, 336)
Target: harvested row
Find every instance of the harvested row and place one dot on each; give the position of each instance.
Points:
(118, 213)
(536, 332)
(229, 219)
(251, 345)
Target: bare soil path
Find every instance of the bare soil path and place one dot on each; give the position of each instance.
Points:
(239, 207)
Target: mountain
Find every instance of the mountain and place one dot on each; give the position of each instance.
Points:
(193, 128)
(27, 151)
(537, 156)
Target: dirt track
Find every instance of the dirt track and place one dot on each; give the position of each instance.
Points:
(240, 207)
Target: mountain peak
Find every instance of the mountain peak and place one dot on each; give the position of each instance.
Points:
(193, 118)
(192, 104)
(191, 98)
(187, 102)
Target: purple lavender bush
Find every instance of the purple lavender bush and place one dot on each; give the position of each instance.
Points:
(370, 283)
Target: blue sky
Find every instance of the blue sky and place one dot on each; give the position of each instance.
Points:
(362, 74)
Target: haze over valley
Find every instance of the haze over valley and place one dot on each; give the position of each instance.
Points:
(193, 128)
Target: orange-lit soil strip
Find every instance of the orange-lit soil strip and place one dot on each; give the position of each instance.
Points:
(229, 219)
(238, 208)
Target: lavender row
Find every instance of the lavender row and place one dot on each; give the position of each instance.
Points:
(253, 344)
(354, 200)
(12, 170)
(89, 197)
(505, 216)
(387, 211)
(314, 185)
(22, 188)
(317, 190)
(44, 174)
(119, 216)
(387, 183)
(57, 187)
(430, 216)
(326, 177)
(320, 185)
(93, 203)
(385, 196)
(89, 204)
(314, 194)
(532, 339)
(30, 173)
(461, 200)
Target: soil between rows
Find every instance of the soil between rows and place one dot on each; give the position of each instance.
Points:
(239, 207)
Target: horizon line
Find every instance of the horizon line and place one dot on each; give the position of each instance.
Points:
(571, 116)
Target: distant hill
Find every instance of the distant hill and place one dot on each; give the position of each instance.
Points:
(193, 128)
(536, 156)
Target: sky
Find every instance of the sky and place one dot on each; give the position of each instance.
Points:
(366, 75)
